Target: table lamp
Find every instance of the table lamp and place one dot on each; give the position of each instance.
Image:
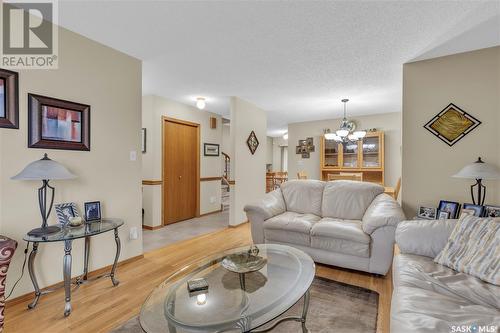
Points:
(44, 170)
(479, 171)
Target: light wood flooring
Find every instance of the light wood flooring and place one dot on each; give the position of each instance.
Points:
(99, 307)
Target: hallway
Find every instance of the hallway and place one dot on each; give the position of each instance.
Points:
(176, 232)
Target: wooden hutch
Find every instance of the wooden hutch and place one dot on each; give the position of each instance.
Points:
(365, 156)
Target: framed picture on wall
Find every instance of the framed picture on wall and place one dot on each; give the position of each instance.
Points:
(211, 149)
(9, 99)
(58, 124)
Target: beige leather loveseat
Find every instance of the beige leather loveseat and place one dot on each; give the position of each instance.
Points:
(343, 223)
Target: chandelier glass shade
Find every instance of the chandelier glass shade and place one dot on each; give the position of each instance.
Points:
(346, 132)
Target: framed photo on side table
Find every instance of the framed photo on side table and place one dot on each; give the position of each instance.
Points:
(478, 210)
(443, 215)
(491, 211)
(92, 211)
(449, 206)
(65, 211)
(428, 213)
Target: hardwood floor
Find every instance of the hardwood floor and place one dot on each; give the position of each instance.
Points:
(99, 307)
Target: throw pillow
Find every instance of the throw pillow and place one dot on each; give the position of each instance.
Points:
(474, 248)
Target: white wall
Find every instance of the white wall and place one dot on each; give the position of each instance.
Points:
(226, 144)
(269, 151)
(278, 142)
(390, 123)
(471, 81)
(110, 82)
(249, 171)
(154, 107)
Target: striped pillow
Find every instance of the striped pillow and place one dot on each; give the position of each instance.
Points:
(474, 248)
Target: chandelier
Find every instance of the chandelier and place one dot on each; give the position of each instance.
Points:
(347, 130)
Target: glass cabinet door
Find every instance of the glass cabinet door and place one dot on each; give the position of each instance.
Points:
(371, 152)
(331, 153)
(350, 155)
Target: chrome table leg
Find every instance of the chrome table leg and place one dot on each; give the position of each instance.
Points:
(301, 319)
(86, 258)
(305, 309)
(118, 249)
(33, 276)
(67, 276)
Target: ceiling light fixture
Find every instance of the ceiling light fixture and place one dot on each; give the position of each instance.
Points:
(200, 103)
(346, 132)
(285, 136)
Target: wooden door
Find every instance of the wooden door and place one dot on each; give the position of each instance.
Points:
(180, 170)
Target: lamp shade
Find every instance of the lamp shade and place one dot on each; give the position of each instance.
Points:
(44, 169)
(478, 170)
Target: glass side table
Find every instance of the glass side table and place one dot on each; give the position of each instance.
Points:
(67, 234)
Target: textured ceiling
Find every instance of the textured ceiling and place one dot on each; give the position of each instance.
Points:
(295, 60)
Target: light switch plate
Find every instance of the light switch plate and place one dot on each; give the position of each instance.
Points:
(133, 155)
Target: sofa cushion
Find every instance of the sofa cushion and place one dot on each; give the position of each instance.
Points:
(347, 199)
(303, 196)
(429, 297)
(343, 236)
(290, 227)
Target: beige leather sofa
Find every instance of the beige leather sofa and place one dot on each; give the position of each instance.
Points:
(429, 297)
(343, 223)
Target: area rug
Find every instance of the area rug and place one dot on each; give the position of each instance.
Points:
(334, 307)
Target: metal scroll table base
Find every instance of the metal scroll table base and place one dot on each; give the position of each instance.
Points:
(301, 319)
(67, 272)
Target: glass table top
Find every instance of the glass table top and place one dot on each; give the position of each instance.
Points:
(233, 302)
(84, 230)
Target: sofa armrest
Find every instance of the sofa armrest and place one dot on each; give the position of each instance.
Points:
(383, 211)
(424, 237)
(271, 205)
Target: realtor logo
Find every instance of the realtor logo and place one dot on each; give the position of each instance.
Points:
(29, 34)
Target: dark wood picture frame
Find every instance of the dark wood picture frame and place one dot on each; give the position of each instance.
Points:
(11, 99)
(35, 140)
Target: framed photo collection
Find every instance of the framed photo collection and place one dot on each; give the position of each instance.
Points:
(453, 210)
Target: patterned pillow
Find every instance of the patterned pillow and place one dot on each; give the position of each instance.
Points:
(474, 248)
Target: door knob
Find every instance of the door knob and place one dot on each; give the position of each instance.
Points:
(180, 177)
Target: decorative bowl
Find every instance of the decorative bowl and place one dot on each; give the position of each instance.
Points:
(243, 262)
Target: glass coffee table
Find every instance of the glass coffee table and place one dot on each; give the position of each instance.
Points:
(233, 302)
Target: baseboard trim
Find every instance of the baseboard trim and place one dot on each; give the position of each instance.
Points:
(238, 225)
(147, 227)
(29, 296)
(210, 213)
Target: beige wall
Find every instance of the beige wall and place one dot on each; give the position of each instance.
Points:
(249, 171)
(278, 142)
(226, 139)
(110, 82)
(390, 123)
(471, 81)
(154, 108)
(269, 151)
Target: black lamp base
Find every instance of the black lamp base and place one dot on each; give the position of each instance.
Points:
(44, 231)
